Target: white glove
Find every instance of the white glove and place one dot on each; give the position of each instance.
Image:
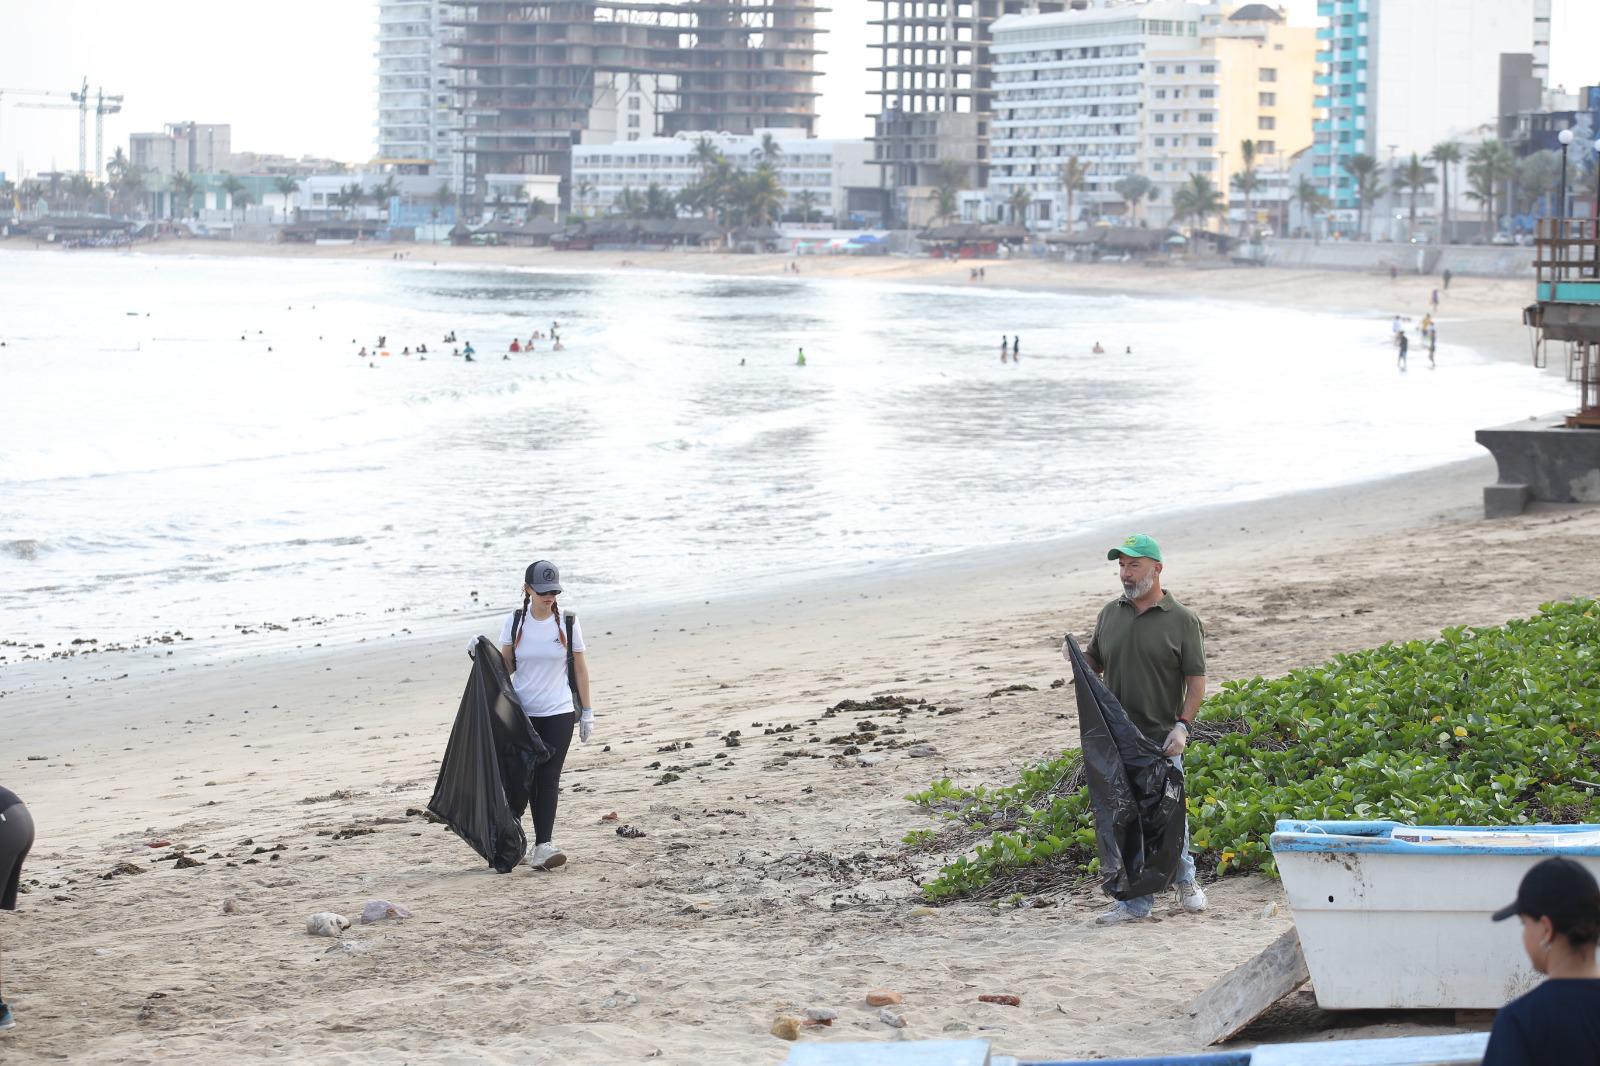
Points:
(1177, 740)
(586, 725)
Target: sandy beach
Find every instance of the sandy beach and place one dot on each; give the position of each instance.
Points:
(770, 877)
(763, 883)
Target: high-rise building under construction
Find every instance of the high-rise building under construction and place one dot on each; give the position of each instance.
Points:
(936, 94)
(536, 78)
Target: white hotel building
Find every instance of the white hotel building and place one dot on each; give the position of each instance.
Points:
(1073, 84)
(416, 121)
(824, 168)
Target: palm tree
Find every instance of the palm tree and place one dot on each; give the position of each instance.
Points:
(349, 197)
(1247, 181)
(1364, 168)
(130, 186)
(769, 151)
(1490, 164)
(79, 191)
(235, 190)
(1133, 188)
(1198, 199)
(181, 190)
(1538, 176)
(1018, 202)
(658, 203)
(760, 195)
(1413, 177)
(583, 190)
(286, 186)
(629, 203)
(1313, 202)
(117, 165)
(1074, 172)
(383, 195)
(806, 203)
(706, 155)
(949, 178)
(1444, 153)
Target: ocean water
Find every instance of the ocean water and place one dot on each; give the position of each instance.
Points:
(192, 443)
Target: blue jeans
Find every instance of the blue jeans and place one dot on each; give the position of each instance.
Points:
(1141, 906)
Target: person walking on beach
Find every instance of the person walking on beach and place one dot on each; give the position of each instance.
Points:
(1005, 351)
(1433, 342)
(544, 654)
(1559, 1021)
(800, 360)
(16, 838)
(1016, 349)
(1151, 650)
(1447, 277)
(1434, 300)
(1401, 344)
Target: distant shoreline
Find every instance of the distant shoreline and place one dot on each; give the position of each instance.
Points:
(1483, 313)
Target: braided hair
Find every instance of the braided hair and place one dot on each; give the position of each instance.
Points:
(516, 626)
(522, 620)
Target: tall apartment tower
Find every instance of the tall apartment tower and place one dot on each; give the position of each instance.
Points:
(750, 66)
(416, 98)
(936, 92)
(1398, 78)
(537, 78)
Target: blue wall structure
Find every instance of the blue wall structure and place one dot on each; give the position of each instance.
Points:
(1340, 129)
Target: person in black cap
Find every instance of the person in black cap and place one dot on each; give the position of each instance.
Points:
(16, 838)
(1558, 1023)
(534, 643)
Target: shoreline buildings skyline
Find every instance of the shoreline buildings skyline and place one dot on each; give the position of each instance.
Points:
(996, 99)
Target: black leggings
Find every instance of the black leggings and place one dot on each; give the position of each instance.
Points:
(16, 837)
(556, 732)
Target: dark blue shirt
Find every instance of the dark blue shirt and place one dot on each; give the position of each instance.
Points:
(1557, 1024)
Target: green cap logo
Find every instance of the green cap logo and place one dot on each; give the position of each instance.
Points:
(1138, 545)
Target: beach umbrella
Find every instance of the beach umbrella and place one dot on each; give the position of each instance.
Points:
(1136, 794)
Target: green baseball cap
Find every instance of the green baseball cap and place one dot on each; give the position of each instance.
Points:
(1139, 544)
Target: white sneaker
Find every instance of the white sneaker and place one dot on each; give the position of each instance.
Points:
(1192, 896)
(546, 857)
(1117, 915)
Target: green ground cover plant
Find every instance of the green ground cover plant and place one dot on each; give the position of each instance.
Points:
(1491, 726)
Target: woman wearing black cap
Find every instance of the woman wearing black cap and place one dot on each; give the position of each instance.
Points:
(1557, 1023)
(534, 643)
(16, 837)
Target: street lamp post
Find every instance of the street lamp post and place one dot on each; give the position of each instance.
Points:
(1565, 137)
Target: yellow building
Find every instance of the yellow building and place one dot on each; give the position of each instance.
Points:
(1249, 78)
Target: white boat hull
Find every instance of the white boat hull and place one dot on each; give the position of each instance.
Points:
(1400, 918)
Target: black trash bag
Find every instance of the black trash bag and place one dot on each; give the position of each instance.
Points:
(485, 778)
(1136, 794)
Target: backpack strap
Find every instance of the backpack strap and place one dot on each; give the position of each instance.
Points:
(572, 668)
(572, 676)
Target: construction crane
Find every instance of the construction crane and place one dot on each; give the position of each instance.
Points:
(25, 92)
(103, 105)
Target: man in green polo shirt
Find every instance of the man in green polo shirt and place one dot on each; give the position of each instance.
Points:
(1152, 651)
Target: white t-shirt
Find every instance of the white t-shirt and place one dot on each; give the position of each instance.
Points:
(540, 680)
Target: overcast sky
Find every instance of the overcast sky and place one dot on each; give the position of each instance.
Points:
(298, 77)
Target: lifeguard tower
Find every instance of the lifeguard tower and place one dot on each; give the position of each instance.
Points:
(1556, 459)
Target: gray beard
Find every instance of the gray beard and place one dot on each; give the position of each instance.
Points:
(1135, 591)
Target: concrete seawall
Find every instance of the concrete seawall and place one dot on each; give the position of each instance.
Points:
(1480, 260)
